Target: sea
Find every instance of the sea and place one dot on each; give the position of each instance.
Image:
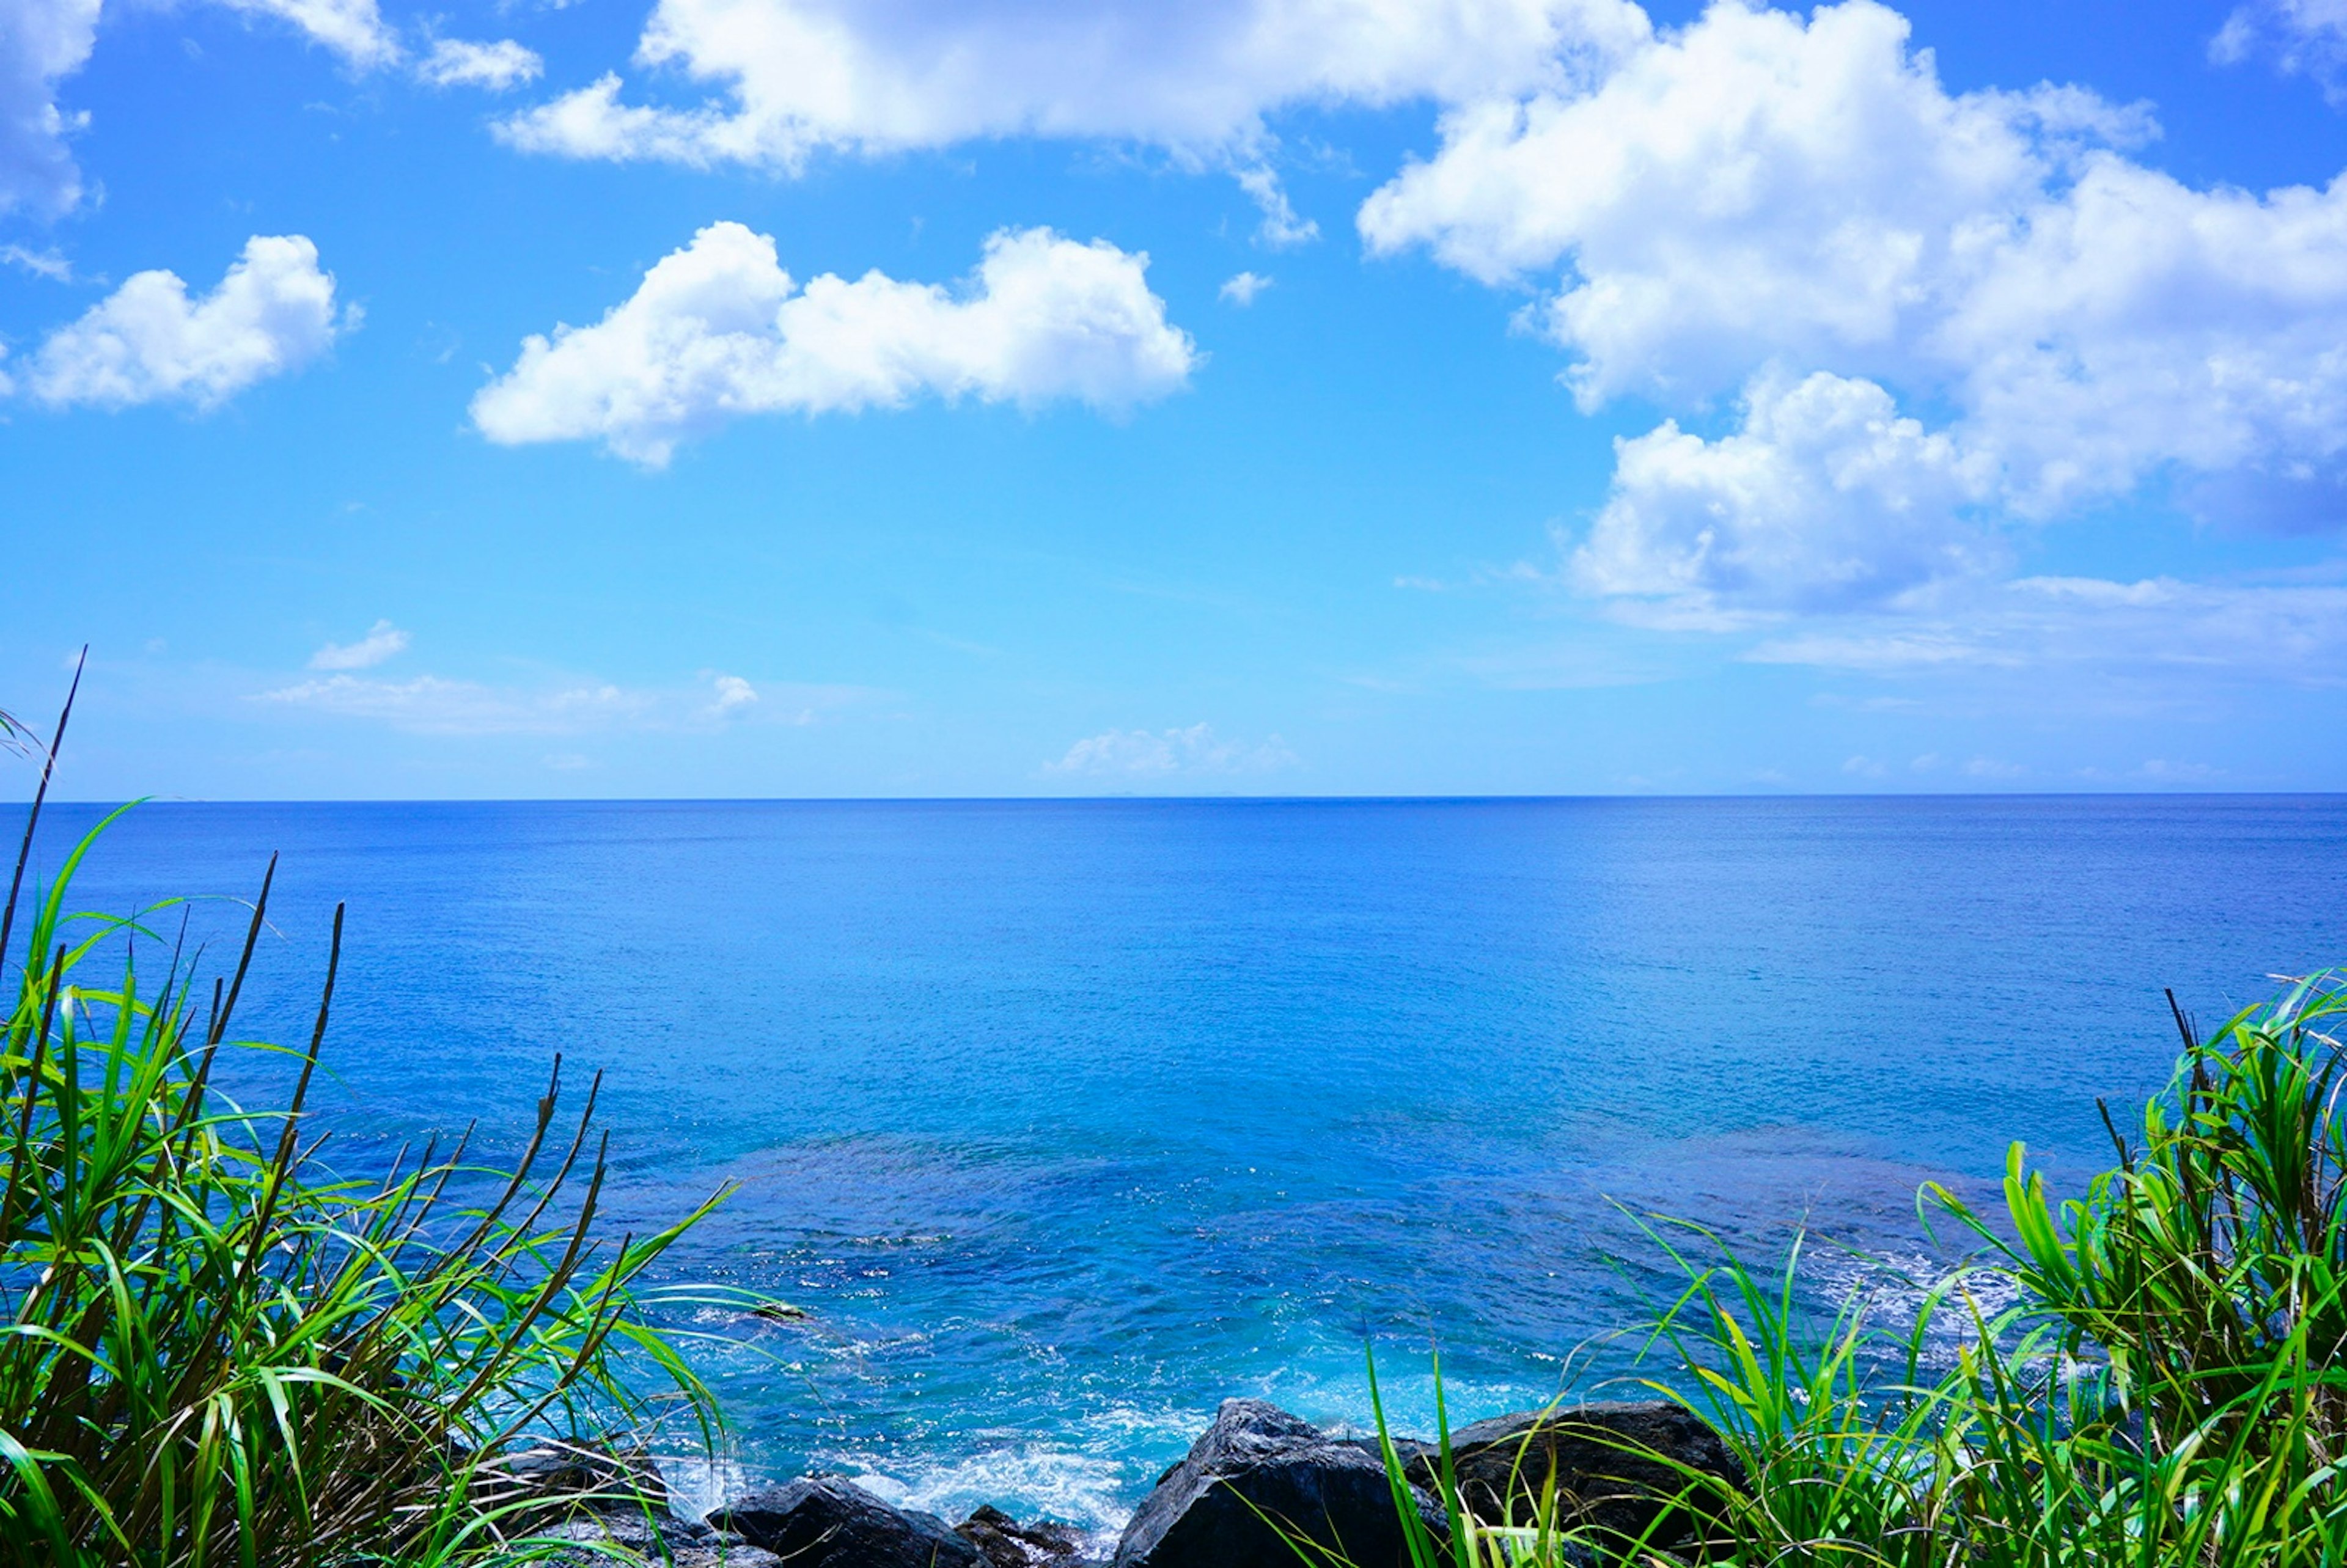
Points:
(1065, 1121)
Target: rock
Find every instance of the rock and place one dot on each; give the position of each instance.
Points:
(662, 1539)
(599, 1495)
(561, 1472)
(609, 1554)
(1326, 1491)
(730, 1554)
(628, 1530)
(1006, 1544)
(827, 1523)
(1610, 1463)
(1406, 1449)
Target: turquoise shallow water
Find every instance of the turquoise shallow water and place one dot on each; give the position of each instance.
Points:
(1065, 1121)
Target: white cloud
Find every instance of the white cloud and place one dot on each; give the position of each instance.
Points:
(1824, 499)
(351, 28)
(1281, 228)
(718, 329)
(382, 641)
(2306, 36)
(1242, 289)
(1156, 754)
(1751, 188)
(42, 42)
(454, 62)
(430, 705)
(797, 77)
(2173, 636)
(1879, 651)
(148, 341)
(436, 705)
(1759, 190)
(50, 263)
(733, 694)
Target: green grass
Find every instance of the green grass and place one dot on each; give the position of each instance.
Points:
(2153, 1374)
(217, 1350)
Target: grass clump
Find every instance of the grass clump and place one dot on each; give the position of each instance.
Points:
(2153, 1375)
(215, 1349)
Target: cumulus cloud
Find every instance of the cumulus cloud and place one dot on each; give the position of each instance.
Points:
(382, 641)
(1754, 186)
(1760, 190)
(148, 341)
(795, 76)
(454, 63)
(1823, 498)
(1163, 753)
(718, 329)
(1241, 291)
(42, 42)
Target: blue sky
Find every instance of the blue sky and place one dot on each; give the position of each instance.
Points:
(778, 397)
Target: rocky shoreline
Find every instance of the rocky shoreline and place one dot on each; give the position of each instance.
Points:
(1621, 1469)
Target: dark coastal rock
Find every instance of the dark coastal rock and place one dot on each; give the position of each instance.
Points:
(559, 1470)
(611, 1500)
(1258, 1457)
(619, 1536)
(730, 1554)
(1616, 1464)
(826, 1523)
(1406, 1449)
(1006, 1544)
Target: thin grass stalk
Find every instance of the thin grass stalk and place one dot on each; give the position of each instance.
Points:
(215, 1351)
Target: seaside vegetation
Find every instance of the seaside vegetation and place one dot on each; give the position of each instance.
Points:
(218, 1350)
(2153, 1375)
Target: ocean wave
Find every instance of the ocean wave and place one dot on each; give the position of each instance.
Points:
(1089, 1492)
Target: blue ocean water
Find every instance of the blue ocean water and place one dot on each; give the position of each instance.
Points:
(1065, 1121)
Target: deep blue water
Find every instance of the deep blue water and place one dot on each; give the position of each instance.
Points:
(1065, 1121)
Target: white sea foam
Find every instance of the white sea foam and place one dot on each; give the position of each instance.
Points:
(697, 1484)
(1083, 1489)
(1891, 1291)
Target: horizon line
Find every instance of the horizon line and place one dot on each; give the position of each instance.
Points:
(1133, 798)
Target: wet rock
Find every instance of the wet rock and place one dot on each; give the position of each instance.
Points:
(608, 1498)
(1257, 1461)
(828, 1524)
(729, 1554)
(564, 1472)
(1006, 1544)
(1406, 1449)
(1617, 1464)
(650, 1538)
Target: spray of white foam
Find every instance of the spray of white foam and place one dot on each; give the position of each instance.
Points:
(1891, 1290)
(697, 1483)
(1082, 1489)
